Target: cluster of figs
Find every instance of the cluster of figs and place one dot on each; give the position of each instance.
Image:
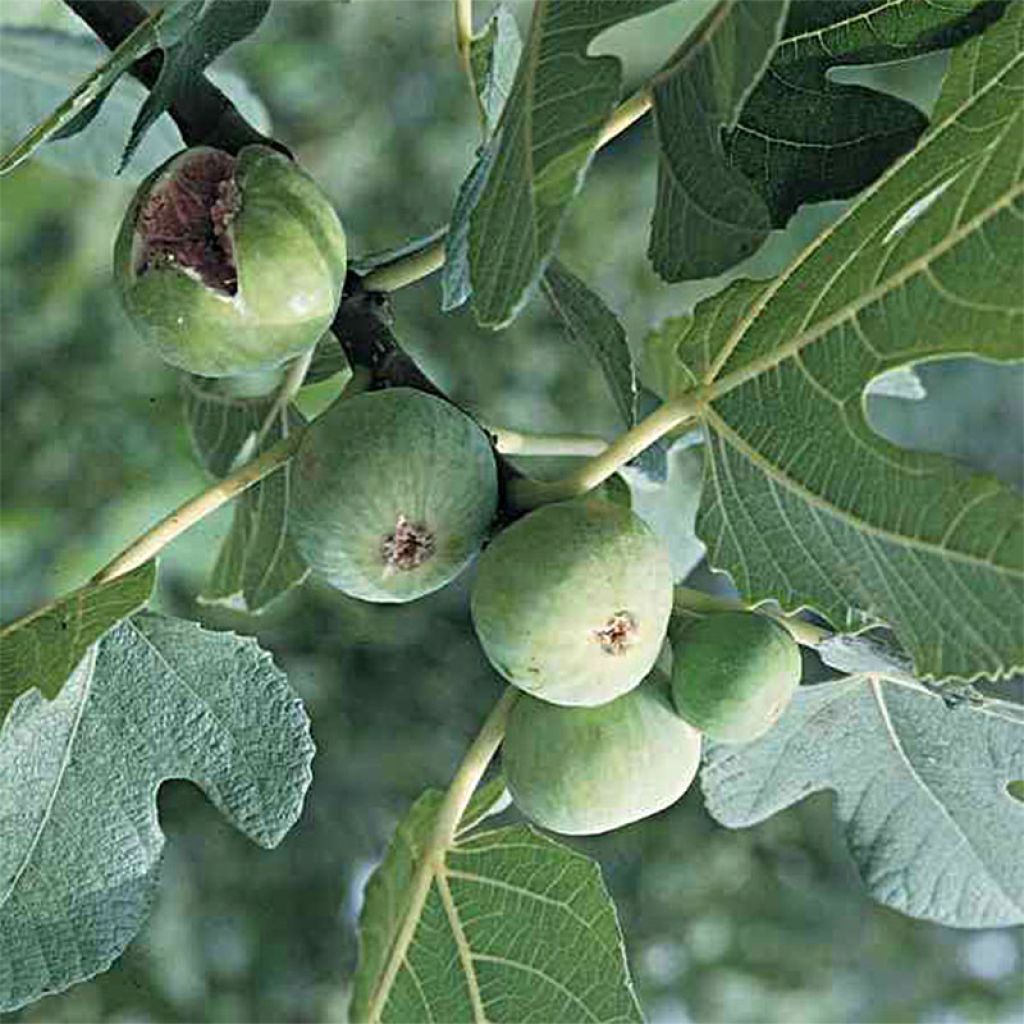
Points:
(229, 264)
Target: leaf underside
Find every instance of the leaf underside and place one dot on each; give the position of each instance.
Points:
(920, 788)
(158, 698)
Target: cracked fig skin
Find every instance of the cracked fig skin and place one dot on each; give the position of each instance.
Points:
(571, 603)
(581, 771)
(733, 674)
(394, 493)
(228, 265)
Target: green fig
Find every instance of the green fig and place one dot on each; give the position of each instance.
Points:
(733, 674)
(229, 265)
(394, 494)
(571, 603)
(580, 771)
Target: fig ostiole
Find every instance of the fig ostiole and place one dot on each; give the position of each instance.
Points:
(394, 494)
(585, 770)
(572, 602)
(733, 674)
(228, 265)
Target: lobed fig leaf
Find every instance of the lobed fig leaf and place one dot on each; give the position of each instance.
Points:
(394, 494)
(571, 603)
(580, 771)
(230, 265)
(733, 674)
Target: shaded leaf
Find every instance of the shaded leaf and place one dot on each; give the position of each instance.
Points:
(328, 360)
(493, 57)
(514, 927)
(708, 216)
(192, 36)
(158, 698)
(803, 138)
(802, 501)
(593, 328)
(39, 67)
(258, 561)
(920, 790)
(41, 650)
(513, 202)
(77, 107)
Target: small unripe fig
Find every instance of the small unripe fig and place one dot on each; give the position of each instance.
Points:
(394, 493)
(580, 771)
(733, 674)
(572, 602)
(230, 264)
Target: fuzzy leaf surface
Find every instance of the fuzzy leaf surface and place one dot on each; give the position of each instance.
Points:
(40, 651)
(920, 790)
(157, 698)
(802, 501)
(515, 927)
(708, 216)
(258, 560)
(512, 204)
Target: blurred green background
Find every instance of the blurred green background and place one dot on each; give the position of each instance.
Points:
(769, 924)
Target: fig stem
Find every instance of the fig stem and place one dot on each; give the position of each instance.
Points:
(528, 494)
(144, 547)
(431, 860)
(515, 442)
(413, 266)
(407, 269)
(464, 39)
(687, 600)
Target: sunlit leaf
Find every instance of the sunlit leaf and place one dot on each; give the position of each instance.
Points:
(514, 927)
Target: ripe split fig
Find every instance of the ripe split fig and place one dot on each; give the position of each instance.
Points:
(228, 264)
(733, 674)
(394, 494)
(580, 771)
(571, 603)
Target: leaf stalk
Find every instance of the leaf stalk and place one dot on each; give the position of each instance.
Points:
(527, 494)
(143, 548)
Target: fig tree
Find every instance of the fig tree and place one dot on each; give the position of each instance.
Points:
(733, 674)
(394, 493)
(571, 603)
(580, 771)
(230, 264)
